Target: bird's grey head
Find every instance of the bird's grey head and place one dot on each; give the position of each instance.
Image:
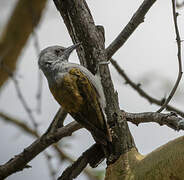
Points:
(53, 55)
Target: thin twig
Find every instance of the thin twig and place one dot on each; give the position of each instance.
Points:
(178, 40)
(24, 103)
(18, 90)
(19, 94)
(40, 78)
(37, 48)
(141, 92)
(50, 167)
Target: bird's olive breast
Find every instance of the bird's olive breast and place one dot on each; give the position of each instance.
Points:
(67, 93)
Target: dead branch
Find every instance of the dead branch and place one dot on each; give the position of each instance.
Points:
(37, 49)
(19, 92)
(40, 78)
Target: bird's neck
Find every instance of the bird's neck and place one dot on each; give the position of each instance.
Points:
(54, 71)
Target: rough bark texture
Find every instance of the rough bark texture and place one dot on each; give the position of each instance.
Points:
(23, 20)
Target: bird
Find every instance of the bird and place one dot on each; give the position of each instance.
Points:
(76, 89)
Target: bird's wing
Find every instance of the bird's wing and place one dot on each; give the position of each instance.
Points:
(91, 108)
(93, 80)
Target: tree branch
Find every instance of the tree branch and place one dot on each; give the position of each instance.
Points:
(17, 88)
(32, 132)
(141, 92)
(170, 119)
(135, 21)
(20, 161)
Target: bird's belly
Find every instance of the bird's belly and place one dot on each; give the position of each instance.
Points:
(67, 94)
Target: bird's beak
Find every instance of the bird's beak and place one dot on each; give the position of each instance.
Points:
(69, 50)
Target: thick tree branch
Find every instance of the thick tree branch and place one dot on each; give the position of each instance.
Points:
(178, 40)
(15, 36)
(141, 92)
(137, 19)
(33, 133)
(170, 119)
(20, 161)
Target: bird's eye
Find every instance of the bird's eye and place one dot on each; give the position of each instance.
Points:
(48, 63)
(57, 51)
